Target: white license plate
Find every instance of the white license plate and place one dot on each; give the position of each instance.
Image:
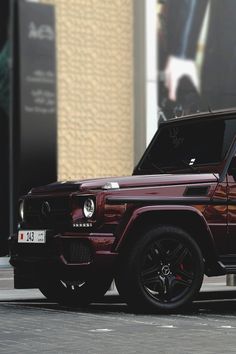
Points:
(32, 236)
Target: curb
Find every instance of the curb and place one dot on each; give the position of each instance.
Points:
(4, 262)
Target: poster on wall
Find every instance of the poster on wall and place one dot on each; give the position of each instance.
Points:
(37, 95)
(33, 122)
(196, 56)
(28, 108)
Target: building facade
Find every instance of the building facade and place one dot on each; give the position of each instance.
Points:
(95, 87)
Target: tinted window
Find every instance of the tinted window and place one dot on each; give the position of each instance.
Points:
(188, 145)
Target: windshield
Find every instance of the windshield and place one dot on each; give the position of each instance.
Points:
(188, 146)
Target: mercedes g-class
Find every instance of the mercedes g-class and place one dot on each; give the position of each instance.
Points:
(156, 232)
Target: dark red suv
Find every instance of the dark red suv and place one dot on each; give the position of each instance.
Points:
(156, 232)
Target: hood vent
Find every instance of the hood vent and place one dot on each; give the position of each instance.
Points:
(196, 191)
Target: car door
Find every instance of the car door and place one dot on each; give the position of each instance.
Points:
(216, 214)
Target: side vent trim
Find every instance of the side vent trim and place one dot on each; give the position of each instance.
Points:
(196, 191)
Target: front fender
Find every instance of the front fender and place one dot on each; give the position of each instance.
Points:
(139, 213)
(190, 218)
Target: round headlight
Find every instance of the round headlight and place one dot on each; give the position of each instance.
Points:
(89, 208)
(21, 210)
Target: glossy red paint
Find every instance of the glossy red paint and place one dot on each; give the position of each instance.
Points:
(201, 202)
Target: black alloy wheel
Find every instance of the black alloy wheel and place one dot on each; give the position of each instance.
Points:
(163, 272)
(167, 270)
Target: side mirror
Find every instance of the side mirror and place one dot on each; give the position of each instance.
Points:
(232, 167)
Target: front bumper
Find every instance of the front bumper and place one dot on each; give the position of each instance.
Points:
(70, 256)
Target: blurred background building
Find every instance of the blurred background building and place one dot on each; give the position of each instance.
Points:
(106, 65)
(95, 87)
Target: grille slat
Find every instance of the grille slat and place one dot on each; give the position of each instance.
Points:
(47, 212)
(77, 251)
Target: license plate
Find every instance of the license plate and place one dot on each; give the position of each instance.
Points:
(32, 236)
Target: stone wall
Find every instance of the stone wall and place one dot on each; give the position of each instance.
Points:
(95, 87)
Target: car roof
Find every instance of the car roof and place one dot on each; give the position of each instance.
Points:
(220, 114)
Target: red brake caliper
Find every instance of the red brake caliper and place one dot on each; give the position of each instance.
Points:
(178, 277)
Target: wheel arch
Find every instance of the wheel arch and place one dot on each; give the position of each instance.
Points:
(189, 219)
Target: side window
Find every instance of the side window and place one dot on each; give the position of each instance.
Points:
(232, 168)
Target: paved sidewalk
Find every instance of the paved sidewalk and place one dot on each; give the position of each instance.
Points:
(32, 324)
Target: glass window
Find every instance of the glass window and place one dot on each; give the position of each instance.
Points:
(186, 145)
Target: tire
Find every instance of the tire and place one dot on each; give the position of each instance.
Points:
(75, 293)
(162, 271)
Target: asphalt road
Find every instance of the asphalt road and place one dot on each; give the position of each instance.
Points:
(31, 324)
